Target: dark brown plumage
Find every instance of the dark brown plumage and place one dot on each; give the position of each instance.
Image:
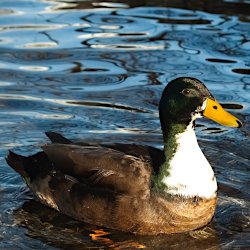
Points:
(71, 178)
(134, 188)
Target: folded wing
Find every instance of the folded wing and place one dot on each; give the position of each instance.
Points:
(101, 167)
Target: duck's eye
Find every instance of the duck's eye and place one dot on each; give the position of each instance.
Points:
(186, 92)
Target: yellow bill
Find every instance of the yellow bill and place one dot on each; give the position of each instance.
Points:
(215, 112)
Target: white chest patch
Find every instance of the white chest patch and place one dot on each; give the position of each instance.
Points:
(190, 174)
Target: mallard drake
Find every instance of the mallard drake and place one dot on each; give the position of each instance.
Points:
(134, 188)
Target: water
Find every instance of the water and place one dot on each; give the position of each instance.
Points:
(95, 70)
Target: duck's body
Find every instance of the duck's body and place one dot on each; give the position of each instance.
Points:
(131, 188)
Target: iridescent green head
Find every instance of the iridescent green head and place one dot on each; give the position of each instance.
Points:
(185, 99)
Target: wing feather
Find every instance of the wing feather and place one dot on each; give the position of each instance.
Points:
(101, 167)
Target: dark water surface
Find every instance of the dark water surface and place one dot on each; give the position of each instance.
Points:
(95, 70)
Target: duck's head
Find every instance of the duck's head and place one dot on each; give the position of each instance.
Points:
(185, 99)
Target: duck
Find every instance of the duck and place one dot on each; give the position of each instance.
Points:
(134, 188)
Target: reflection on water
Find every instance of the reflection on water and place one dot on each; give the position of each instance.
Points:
(95, 70)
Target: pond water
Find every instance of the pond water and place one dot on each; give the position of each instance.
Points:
(95, 70)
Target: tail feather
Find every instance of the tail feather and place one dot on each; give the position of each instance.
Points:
(34, 166)
(57, 138)
(17, 162)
